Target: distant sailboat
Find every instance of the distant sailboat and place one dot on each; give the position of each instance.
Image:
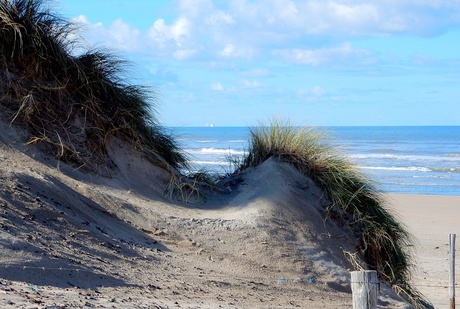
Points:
(209, 125)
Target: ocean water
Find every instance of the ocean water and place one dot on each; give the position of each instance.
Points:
(417, 160)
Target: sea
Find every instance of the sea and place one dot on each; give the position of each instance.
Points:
(399, 159)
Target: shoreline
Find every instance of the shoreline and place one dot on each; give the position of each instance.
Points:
(430, 219)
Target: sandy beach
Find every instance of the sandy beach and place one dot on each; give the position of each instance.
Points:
(430, 218)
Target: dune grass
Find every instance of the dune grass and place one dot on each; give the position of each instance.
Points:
(70, 103)
(355, 202)
(192, 187)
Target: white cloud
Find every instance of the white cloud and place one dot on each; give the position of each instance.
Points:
(315, 57)
(316, 91)
(252, 84)
(233, 51)
(178, 32)
(195, 8)
(217, 87)
(119, 35)
(255, 73)
(220, 18)
(125, 36)
(184, 54)
(174, 39)
(228, 51)
(81, 19)
(352, 19)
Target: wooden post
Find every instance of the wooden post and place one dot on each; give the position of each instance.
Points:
(364, 286)
(452, 270)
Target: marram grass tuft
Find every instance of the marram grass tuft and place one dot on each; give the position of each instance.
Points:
(71, 103)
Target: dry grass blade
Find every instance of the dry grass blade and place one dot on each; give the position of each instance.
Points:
(185, 191)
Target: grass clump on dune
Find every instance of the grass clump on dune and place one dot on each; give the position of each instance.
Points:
(72, 104)
(355, 202)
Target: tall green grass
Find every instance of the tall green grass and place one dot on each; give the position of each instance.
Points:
(355, 202)
(72, 103)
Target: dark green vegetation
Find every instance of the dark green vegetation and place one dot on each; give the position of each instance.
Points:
(354, 200)
(72, 104)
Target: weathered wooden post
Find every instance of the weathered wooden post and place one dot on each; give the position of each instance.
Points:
(452, 270)
(364, 286)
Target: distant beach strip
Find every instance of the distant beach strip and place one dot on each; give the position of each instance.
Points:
(415, 160)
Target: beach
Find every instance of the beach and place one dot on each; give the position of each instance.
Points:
(430, 218)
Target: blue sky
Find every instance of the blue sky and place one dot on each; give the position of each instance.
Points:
(316, 62)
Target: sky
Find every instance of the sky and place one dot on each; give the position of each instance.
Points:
(315, 62)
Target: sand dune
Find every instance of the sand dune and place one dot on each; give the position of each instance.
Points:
(72, 239)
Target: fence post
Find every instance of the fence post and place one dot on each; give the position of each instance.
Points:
(452, 270)
(364, 286)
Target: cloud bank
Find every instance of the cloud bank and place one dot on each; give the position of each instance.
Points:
(303, 32)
